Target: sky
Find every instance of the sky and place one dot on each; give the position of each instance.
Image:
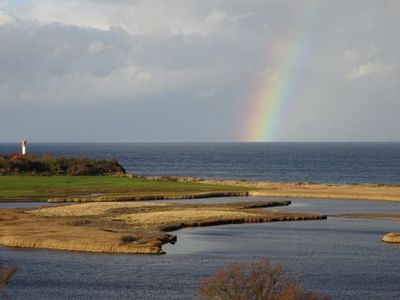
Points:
(199, 71)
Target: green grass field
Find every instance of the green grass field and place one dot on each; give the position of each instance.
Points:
(44, 187)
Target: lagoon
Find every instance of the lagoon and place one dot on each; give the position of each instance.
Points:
(343, 258)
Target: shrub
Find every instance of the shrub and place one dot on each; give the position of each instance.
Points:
(6, 273)
(254, 280)
(46, 165)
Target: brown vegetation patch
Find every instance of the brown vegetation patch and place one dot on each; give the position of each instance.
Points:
(89, 209)
(307, 189)
(125, 227)
(191, 217)
(6, 273)
(127, 239)
(253, 280)
(78, 222)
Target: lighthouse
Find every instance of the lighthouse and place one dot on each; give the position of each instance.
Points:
(23, 146)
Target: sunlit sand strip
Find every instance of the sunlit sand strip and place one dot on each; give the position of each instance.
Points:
(310, 190)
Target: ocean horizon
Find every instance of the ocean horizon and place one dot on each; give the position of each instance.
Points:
(329, 162)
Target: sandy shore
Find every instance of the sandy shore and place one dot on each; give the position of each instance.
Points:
(126, 227)
(310, 190)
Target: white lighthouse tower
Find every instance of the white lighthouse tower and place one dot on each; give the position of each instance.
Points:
(24, 144)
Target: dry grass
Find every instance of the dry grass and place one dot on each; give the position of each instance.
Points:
(19, 229)
(163, 218)
(89, 209)
(139, 196)
(310, 190)
(125, 227)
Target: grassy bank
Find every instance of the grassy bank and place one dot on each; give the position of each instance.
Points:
(125, 188)
(45, 187)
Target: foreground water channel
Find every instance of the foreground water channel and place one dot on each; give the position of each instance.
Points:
(343, 258)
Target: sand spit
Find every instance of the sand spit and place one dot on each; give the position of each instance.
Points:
(123, 227)
(306, 189)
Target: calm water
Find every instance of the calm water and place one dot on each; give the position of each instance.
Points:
(318, 162)
(343, 258)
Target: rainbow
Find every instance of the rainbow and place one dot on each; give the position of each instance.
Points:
(276, 91)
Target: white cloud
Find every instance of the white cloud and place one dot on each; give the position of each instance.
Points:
(371, 69)
(216, 17)
(351, 55)
(242, 16)
(6, 18)
(136, 17)
(144, 76)
(74, 12)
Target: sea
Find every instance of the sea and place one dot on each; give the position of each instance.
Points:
(306, 162)
(338, 257)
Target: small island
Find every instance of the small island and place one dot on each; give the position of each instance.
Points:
(391, 237)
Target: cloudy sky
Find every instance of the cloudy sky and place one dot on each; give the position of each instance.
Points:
(121, 70)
